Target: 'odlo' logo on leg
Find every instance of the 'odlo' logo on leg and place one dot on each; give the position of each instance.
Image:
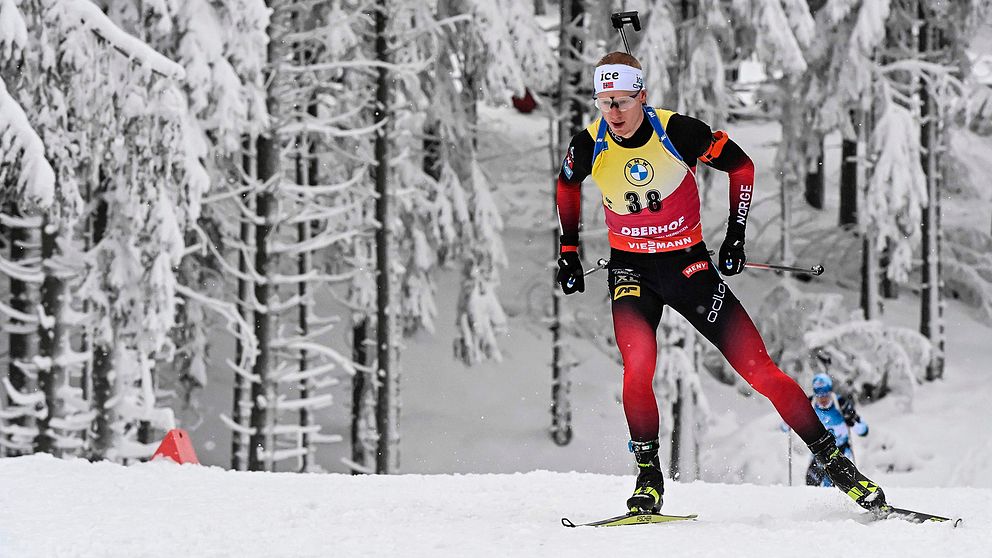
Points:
(718, 296)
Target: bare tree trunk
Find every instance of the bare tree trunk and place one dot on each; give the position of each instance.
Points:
(103, 389)
(815, 195)
(385, 413)
(848, 211)
(785, 205)
(268, 151)
(22, 345)
(263, 393)
(697, 421)
(932, 300)
(306, 173)
(561, 384)
(570, 45)
(687, 12)
(240, 403)
(571, 67)
(790, 180)
(675, 462)
(102, 361)
(869, 279)
(362, 398)
(52, 377)
(889, 288)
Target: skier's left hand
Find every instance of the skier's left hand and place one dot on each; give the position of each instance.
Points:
(860, 428)
(732, 258)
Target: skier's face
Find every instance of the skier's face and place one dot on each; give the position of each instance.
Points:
(824, 401)
(622, 110)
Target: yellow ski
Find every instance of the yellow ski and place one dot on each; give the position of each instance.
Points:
(631, 519)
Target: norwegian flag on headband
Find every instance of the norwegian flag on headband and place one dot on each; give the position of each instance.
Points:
(607, 85)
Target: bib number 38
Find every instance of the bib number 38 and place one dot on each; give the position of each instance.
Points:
(634, 204)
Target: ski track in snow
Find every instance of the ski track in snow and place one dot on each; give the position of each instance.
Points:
(74, 508)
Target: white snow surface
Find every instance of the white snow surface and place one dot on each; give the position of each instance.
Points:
(481, 476)
(68, 508)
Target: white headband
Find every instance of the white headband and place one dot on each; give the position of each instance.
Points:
(618, 77)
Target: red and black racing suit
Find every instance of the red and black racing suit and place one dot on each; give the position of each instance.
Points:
(684, 279)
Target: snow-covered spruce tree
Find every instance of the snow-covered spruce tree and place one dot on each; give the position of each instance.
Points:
(942, 40)
(128, 286)
(136, 235)
(500, 49)
(967, 269)
(353, 155)
(269, 190)
(42, 90)
(406, 243)
(353, 151)
(682, 47)
(808, 333)
(77, 56)
(222, 46)
(782, 31)
(302, 84)
(28, 186)
(434, 193)
(915, 87)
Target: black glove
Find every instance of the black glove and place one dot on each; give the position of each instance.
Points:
(732, 258)
(570, 275)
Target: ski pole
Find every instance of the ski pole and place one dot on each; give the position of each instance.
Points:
(620, 19)
(812, 270)
(788, 439)
(601, 263)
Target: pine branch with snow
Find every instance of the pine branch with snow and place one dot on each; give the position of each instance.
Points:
(23, 160)
(517, 52)
(657, 49)
(807, 333)
(777, 43)
(896, 192)
(967, 269)
(87, 15)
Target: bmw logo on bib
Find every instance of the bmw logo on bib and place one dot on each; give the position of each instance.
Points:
(638, 171)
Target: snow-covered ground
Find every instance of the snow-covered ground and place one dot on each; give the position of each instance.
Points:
(483, 478)
(56, 509)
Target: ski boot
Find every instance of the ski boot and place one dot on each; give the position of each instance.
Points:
(650, 485)
(845, 475)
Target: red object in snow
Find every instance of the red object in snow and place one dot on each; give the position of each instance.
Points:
(525, 104)
(178, 447)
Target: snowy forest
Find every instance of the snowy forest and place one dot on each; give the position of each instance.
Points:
(262, 196)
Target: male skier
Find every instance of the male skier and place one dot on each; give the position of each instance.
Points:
(643, 161)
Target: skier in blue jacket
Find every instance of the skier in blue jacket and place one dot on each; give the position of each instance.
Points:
(838, 415)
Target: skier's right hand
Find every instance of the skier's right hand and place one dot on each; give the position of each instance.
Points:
(732, 256)
(570, 275)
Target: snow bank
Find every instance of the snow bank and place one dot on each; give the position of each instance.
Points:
(80, 509)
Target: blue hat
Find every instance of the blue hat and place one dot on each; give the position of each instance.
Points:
(822, 384)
